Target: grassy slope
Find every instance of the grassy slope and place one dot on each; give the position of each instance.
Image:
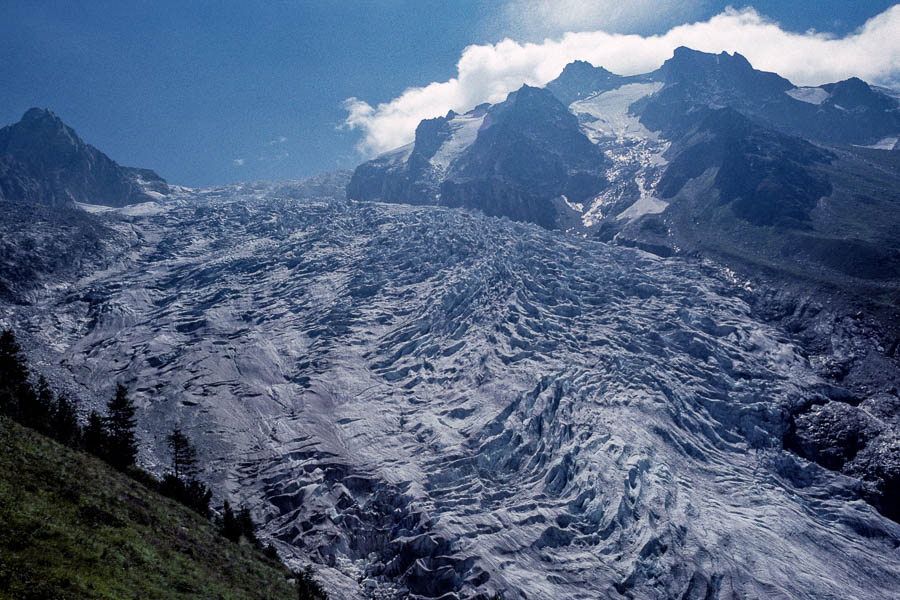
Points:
(72, 527)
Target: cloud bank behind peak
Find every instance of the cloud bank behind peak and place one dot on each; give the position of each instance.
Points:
(487, 73)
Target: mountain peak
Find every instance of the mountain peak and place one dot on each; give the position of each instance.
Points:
(39, 134)
(720, 75)
(51, 165)
(580, 79)
(686, 59)
(40, 114)
(854, 93)
(530, 95)
(583, 68)
(44, 122)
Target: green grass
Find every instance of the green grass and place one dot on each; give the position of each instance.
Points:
(73, 527)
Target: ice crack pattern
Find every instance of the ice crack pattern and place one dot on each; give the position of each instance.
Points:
(435, 404)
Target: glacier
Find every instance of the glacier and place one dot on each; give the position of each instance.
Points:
(430, 403)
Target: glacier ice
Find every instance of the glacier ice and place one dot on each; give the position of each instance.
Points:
(434, 404)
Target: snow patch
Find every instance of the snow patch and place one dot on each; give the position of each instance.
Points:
(606, 115)
(645, 205)
(576, 206)
(398, 155)
(888, 143)
(810, 95)
(94, 208)
(464, 130)
(142, 209)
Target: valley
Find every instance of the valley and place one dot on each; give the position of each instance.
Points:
(620, 337)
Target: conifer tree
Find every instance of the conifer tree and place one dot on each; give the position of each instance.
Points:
(231, 529)
(246, 525)
(13, 374)
(64, 424)
(182, 483)
(121, 424)
(36, 409)
(95, 436)
(271, 551)
(184, 456)
(197, 497)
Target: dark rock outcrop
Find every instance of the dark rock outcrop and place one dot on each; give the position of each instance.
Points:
(580, 79)
(848, 112)
(767, 177)
(42, 160)
(528, 151)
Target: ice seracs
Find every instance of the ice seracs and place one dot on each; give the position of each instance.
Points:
(430, 403)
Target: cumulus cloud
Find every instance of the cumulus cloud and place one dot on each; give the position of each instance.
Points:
(238, 162)
(487, 73)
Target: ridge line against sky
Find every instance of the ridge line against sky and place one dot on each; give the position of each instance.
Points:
(215, 91)
(487, 73)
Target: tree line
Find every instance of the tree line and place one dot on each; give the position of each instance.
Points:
(113, 438)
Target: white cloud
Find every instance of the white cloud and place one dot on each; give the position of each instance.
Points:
(487, 73)
(238, 162)
(279, 140)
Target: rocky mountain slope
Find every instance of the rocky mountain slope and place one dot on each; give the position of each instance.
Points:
(43, 161)
(506, 160)
(704, 155)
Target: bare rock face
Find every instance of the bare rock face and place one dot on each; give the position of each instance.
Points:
(42, 160)
(834, 434)
(860, 441)
(846, 112)
(512, 159)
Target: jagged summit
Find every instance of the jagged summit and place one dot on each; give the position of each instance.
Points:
(722, 77)
(856, 94)
(579, 79)
(531, 158)
(38, 137)
(504, 159)
(41, 115)
(527, 101)
(683, 56)
(44, 161)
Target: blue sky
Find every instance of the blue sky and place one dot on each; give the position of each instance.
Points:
(193, 89)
